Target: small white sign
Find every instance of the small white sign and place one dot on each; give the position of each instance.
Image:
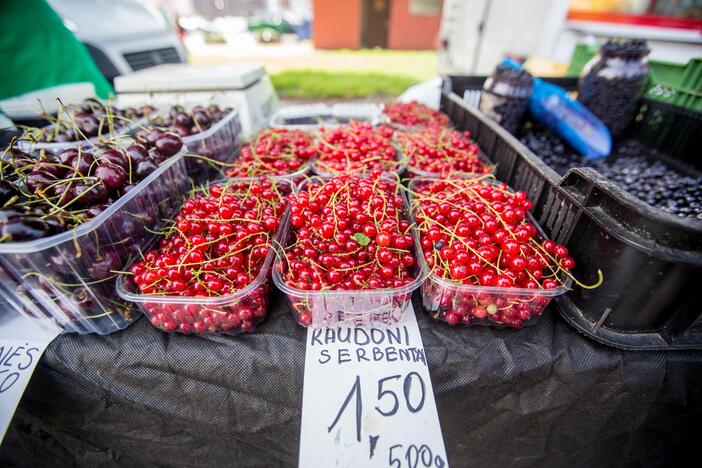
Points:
(22, 342)
(368, 399)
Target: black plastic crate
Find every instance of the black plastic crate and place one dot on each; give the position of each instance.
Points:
(651, 260)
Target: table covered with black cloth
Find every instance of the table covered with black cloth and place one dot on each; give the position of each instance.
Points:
(540, 396)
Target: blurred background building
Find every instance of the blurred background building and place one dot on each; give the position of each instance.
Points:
(388, 24)
(307, 44)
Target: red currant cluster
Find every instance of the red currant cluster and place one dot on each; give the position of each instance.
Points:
(356, 147)
(415, 114)
(274, 152)
(218, 244)
(441, 151)
(477, 233)
(349, 233)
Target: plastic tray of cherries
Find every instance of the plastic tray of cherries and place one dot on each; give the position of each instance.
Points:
(211, 132)
(69, 220)
(489, 262)
(358, 148)
(349, 255)
(92, 120)
(440, 152)
(208, 270)
(276, 153)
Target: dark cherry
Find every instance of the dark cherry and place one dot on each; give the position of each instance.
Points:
(201, 118)
(83, 163)
(183, 119)
(169, 144)
(145, 167)
(68, 155)
(182, 130)
(90, 193)
(115, 157)
(7, 191)
(24, 229)
(112, 176)
(153, 136)
(137, 153)
(89, 126)
(38, 180)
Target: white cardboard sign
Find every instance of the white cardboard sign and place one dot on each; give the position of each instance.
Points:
(368, 399)
(22, 342)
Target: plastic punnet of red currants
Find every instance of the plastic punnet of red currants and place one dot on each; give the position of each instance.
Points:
(356, 148)
(488, 260)
(440, 152)
(350, 256)
(275, 152)
(209, 273)
(414, 115)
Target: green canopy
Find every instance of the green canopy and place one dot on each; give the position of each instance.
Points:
(37, 51)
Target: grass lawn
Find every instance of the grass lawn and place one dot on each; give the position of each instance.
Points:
(345, 74)
(323, 84)
(299, 71)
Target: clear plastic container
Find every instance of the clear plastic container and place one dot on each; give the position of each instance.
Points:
(58, 147)
(385, 119)
(296, 177)
(360, 308)
(229, 314)
(70, 277)
(400, 167)
(413, 172)
(219, 143)
(313, 116)
(481, 305)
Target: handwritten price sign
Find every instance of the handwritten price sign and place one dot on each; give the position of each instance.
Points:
(368, 399)
(22, 342)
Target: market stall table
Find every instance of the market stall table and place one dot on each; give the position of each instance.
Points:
(540, 396)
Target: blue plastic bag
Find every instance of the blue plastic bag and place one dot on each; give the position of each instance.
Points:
(551, 106)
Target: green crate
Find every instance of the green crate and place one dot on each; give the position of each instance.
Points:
(676, 84)
(581, 55)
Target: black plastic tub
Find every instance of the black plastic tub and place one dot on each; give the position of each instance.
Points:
(651, 259)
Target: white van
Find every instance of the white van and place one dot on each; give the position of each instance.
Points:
(121, 35)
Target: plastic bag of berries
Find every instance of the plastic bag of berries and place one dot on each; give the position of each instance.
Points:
(350, 255)
(208, 269)
(489, 262)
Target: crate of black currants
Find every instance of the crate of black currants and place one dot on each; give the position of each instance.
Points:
(636, 215)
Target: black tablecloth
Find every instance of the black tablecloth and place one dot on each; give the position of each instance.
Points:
(540, 396)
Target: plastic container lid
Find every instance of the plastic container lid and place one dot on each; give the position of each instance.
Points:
(184, 77)
(27, 105)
